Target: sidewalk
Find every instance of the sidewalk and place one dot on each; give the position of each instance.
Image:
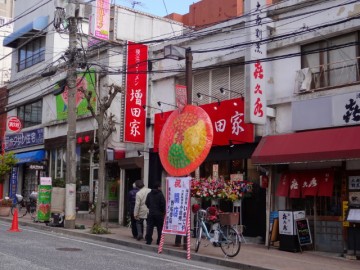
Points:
(251, 256)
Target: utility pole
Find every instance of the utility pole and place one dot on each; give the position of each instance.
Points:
(70, 196)
(188, 74)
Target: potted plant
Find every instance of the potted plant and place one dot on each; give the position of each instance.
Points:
(7, 160)
(5, 207)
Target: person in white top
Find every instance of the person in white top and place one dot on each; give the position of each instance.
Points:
(140, 211)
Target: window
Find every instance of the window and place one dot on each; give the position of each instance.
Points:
(30, 114)
(332, 67)
(31, 53)
(210, 82)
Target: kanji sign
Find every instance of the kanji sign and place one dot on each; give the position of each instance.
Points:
(14, 124)
(177, 205)
(136, 91)
(227, 120)
(255, 90)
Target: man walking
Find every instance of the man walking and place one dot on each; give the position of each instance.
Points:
(140, 210)
(131, 201)
(155, 201)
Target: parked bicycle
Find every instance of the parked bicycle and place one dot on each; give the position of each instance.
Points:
(25, 206)
(225, 236)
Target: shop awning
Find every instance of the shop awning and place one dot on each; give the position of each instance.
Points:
(33, 156)
(37, 25)
(319, 145)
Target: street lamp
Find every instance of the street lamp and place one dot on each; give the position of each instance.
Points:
(161, 102)
(180, 53)
(200, 96)
(222, 91)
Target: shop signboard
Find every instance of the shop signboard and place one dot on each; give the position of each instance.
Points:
(177, 205)
(14, 124)
(44, 203)
(24, 139)
(303, 231)
(13, 183)
(136, 91)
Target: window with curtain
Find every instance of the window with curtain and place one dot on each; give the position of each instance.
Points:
(332, 67)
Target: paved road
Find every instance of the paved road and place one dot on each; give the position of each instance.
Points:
(34, 249)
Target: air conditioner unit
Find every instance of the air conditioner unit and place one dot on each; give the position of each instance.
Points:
(306, 76)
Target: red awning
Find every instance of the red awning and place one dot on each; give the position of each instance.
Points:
(319, 145)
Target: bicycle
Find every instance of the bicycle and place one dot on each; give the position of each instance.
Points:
(25, 206)
(225, 236)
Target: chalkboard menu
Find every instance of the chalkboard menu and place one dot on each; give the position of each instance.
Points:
(303, 231)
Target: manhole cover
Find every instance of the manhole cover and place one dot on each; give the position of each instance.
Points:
(69, 249)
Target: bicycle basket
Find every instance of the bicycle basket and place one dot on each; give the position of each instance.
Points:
(229, 218)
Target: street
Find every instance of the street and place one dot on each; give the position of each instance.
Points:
(34, 249)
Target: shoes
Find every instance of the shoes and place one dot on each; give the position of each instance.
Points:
(177, 245)
(139, 238)
(184, 247)
(148, 243)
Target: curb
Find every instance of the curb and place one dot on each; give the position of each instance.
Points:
(181, 254)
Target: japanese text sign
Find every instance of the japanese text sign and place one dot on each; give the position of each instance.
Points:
(101, 19)
(346, 109)
(177, 205)
(227, 120)
(24, 139)
(354, 182)
(136, 91)
(255, 90)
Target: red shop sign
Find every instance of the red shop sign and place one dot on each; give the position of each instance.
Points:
(227, 120)
(14, 124)
(136, 91)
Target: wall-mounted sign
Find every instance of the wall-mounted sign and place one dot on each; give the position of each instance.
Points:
(24, 139)
(136, 91)
(14, 124)
(354, 182)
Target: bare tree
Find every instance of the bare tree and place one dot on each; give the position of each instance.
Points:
(106, 126)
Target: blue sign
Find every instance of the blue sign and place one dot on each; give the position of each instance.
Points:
(24, 139)
(13, 183)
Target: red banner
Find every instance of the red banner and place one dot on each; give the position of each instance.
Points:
(283, 186)
(227, 120)
(136, 91)
(310, 183)
(295, 185)
(326, 184)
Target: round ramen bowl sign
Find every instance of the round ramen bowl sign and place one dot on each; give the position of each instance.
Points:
(14, 124)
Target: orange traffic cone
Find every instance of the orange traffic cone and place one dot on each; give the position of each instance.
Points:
(15, 225)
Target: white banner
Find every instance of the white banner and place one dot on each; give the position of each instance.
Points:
(177, 205)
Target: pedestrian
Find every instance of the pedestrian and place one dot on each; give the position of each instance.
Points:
(155, 202)
(131, 201)
(178, 241)
(140, 210)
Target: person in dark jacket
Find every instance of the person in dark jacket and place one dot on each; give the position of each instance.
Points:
(131, 201)
(155, 201)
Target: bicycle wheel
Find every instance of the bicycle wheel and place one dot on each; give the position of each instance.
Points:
(198, 238)
(230, 241)
(21, 210)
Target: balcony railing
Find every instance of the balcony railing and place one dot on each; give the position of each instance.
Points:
(325, 76)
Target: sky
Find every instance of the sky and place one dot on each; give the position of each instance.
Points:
(157, 7)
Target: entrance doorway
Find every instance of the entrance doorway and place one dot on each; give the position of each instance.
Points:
(131, 175)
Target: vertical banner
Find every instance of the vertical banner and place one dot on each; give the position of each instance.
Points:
(136, 91)
(180, 96)
(177, 205)
(100, 19)
(177, 216)
(44, 203)
(13, 183)
(255, 71)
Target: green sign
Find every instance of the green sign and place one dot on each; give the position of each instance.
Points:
(84, 81)
(44, 203)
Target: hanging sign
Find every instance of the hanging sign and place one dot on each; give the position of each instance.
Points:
(136, 91)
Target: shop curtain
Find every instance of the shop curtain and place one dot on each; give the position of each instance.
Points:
(326, 185)
(310, 183)
(295, 185)
(283, 186)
